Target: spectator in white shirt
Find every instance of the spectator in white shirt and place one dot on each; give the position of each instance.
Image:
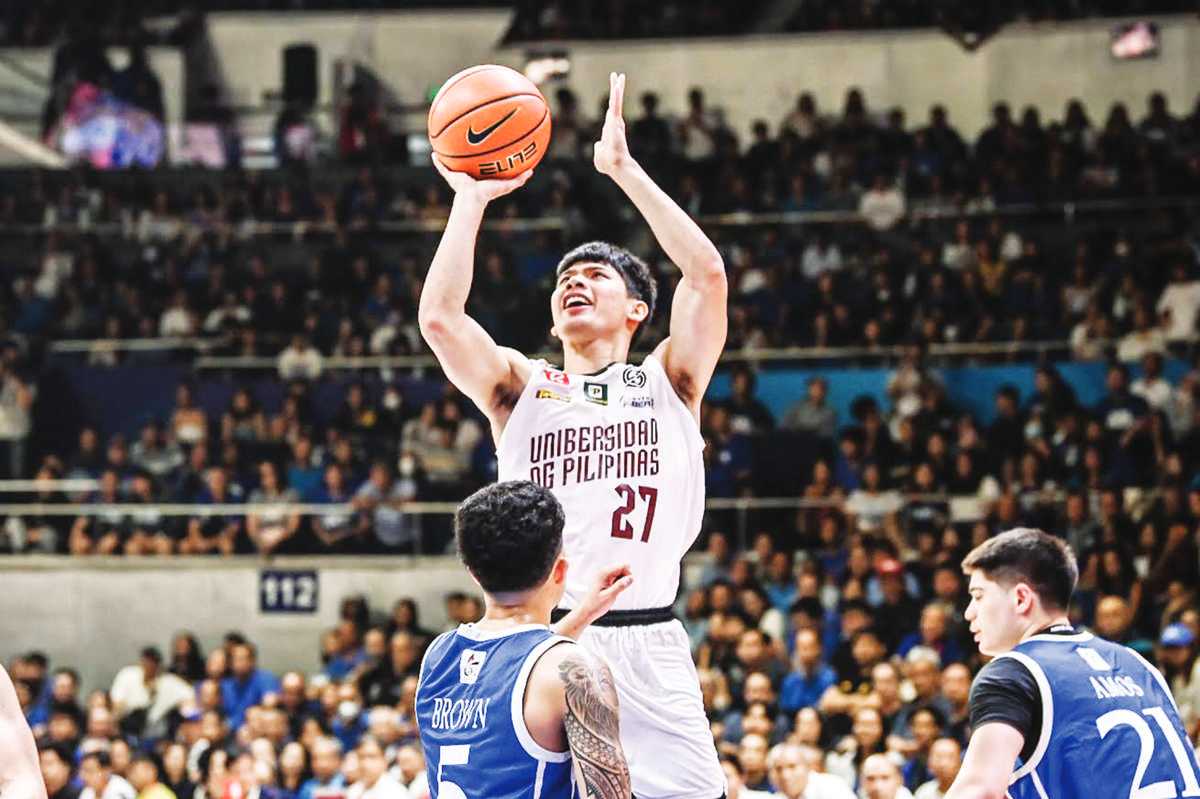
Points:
(374, 780)
(796, 779)
(1179, 305)
(880, 778)
(410, 770)
(945, 758)
(820, 256)
(300, 360)
(1144, 338)
(95, 770)
(882, 205)
(1151, 386)
(178, 319)
(1090, 335)
(145, 686)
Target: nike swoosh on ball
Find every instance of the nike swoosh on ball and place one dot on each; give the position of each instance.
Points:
(478, 138)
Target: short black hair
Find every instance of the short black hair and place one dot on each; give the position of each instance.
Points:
(101, 756)
(509, 535)
(939, 718)
(639, 280)
(1032, 556)
(61, 750)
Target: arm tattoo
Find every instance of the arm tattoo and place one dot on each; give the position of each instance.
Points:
(591, 723)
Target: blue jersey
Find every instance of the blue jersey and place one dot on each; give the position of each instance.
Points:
(470, 710)
(1110, 727)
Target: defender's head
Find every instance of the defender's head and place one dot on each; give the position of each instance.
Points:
(510, 538)
(1019, 578)
(602, 290)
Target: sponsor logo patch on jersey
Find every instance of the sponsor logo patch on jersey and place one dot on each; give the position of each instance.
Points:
(556, 377)
(637, 402)
(633, 377)
(469, 666)
(545, 393)
(596, 393)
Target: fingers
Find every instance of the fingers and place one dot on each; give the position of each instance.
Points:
(442, 169)
(502, 187)
(616, 94)
(617, 587)
(614, 573)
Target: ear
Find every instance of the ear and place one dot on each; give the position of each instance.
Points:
(559, 572)
(554, 331)
(638, 311)
(1025, 598)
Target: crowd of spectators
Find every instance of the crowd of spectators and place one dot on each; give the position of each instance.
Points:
(930, 254)
(1126, 292)
(838, 668)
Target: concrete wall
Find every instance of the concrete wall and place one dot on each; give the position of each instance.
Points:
(409, 50)
(752, 77)
(96, 614)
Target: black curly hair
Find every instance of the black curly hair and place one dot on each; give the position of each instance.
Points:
(509, 535)
(639, 280)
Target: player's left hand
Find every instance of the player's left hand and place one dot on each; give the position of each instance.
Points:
(611, 153)
(607, 587)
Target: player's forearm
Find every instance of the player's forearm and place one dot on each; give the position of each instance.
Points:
(448, 283)
(677, 233)
(573, 624)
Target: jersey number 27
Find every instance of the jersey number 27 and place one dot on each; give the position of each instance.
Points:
(629, 495)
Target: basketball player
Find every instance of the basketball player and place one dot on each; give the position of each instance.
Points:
(1060, 713)
(619, 444)
(505, 707)
(20, 772)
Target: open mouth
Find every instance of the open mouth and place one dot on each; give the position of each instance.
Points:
(575, 301)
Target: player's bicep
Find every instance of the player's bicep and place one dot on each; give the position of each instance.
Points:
(591, 722)
(474, 362)
(988, 764)
(699, 325)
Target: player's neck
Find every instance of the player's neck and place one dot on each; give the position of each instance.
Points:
(1041, 621)
(587, 357)
(514, 610)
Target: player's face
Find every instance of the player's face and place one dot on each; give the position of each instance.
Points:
(992, 615)
(590, 301)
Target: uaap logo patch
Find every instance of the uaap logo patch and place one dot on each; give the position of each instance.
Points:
(469, 666)
(556, 377)
(596, 393)
(633, 377)
(545, 393)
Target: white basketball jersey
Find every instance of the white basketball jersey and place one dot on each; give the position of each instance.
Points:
(624, 456)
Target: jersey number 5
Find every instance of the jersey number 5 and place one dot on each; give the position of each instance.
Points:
(622, 528)
(456, 755)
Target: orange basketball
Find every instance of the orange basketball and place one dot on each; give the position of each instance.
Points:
(490, 122)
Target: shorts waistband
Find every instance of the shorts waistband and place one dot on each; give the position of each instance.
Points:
(625, 618)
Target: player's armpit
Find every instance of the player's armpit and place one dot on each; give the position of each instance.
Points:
(591, 722)
(988, 764)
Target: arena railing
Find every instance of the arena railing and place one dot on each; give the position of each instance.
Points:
(960, 508)
(916, 214)
(1023, 347)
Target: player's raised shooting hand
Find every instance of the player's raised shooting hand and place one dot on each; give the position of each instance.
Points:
(612, 152)
(482, 191)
